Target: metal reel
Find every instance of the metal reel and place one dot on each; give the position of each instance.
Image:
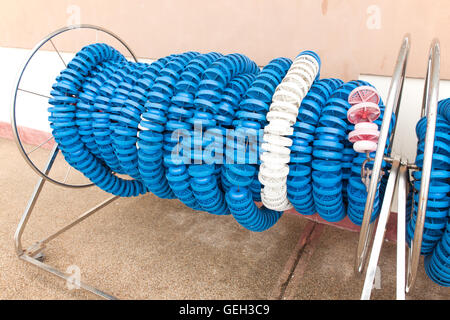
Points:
(27, 152)
(398, 181)
(392, 106)
(429, 110)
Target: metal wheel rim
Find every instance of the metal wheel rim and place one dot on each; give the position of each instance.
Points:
(14, 127)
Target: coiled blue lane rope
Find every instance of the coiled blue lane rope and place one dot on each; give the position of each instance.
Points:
(224, 81)
(159, 100)
(299, 179)
(437, 264)
(111, 116)
(101, 123)
(87, 65)
(239, 179)
(213, 151)
(336, 175)
(119, 103)
(436, 231)
(327, 153)
(257, 100)
(444, 108)
(179, 114)
(125, 111)
(438, 204)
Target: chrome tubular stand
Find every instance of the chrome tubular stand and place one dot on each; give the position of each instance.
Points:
(34, 254)
(392, 105)
(399, 181)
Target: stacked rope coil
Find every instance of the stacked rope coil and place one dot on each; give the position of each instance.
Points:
(438, 202)
(300, 191)
(214, 92)
(436, 232)
(328, 153)
(242, 178)
(218, 133)
(110, 116)
(180, 116)
(79, 116)
(437, 265)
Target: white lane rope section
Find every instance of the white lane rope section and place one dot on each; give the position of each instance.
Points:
(282, 115)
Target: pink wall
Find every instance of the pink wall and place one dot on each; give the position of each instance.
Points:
(351, 36)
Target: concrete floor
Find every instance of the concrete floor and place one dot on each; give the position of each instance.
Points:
(150, 248)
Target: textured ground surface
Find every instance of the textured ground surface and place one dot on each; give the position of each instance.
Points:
(149, 248)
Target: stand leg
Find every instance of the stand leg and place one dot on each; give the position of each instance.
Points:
(379, 234)
(31, 203)
(64, 276)
(32, 254)
(401, 231)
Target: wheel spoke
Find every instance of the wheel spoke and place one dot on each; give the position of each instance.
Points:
(67, 174)
(35, 93)
(59, 54)
(37, 147)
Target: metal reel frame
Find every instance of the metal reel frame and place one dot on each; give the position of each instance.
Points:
(399, 179)
(34, 253)
(429, 109)
(17, 88)
(392, 106)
